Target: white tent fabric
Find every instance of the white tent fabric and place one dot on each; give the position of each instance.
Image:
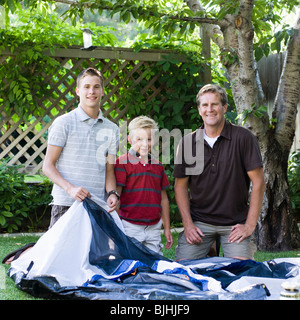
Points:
(63, 250)
(274, 285)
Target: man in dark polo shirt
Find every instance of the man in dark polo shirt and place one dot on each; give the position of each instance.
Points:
(214, 202)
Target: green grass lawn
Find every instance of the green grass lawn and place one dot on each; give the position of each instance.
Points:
(8, 290)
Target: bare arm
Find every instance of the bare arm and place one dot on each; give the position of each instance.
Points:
(192, 233)
(241, 231)
(165, 216)
(110, 183)
(50, 170)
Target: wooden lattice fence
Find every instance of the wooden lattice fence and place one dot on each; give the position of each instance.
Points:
(25, 143)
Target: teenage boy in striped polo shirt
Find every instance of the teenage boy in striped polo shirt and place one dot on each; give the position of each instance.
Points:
(81, 151)
(142, 183)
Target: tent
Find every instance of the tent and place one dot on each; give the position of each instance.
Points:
(86, 255)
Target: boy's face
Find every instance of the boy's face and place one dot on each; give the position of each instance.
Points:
(90, 92)
(140, 140)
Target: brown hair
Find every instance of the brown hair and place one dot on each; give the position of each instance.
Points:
(214, 88)
(90, 72)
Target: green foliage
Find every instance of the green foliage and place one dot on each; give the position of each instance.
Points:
(294, 180)
(22, 75)
(19, 201)
(257, 112)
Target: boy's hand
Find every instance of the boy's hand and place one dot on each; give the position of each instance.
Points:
(169, 238)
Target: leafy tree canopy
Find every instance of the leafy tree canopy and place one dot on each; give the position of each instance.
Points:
(45, 25)
(171, 17)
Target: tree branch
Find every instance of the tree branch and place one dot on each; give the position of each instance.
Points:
(211, 28)
(71, 2)
(285, 105)
(161, 15)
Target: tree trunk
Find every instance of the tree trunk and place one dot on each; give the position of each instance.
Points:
(277, 229)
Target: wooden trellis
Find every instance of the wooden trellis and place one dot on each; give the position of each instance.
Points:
(25, 143)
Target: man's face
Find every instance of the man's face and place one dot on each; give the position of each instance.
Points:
(90, 91)
(211, 109)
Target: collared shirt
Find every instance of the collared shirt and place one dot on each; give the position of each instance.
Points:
(85, 144)
(140, 201)
(219, 195)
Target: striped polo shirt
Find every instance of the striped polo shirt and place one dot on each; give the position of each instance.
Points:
(142, 184)
(86, 143)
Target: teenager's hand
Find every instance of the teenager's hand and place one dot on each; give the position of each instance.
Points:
(78, 193)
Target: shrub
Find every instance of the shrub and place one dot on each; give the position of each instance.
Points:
(19, 202)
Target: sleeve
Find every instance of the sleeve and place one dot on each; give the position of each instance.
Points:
(179, 164)
(114, 144)
(251, 152)
(58, 132)
(164, 181)
(120, 173)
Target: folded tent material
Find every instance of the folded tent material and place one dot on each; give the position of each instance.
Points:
(86, 255)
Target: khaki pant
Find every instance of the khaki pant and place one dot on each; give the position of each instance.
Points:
(150, 236)
(184, 250)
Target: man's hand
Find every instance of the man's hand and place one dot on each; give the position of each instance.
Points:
(112, 202)
(193, 234)
(78, 193)
(239, 232)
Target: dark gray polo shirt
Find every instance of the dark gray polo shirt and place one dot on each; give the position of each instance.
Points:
(219, 195)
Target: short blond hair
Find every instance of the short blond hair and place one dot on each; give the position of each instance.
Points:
(142, 122)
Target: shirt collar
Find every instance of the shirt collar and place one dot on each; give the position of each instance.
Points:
(84, 117)
(135, 154)
(226, 131)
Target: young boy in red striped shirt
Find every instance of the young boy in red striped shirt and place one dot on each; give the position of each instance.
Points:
(142, 183)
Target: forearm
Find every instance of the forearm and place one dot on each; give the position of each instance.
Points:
(192, 233)
(257, 194)
(183, 203)
(50, 170)
(54, 175)
(165, 211)
(110, 181)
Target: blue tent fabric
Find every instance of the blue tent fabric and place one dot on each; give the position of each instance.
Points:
(130, 271)
(229, 273)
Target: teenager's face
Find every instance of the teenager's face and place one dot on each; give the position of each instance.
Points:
(140, 140)
(211, 109)
(90, 92)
